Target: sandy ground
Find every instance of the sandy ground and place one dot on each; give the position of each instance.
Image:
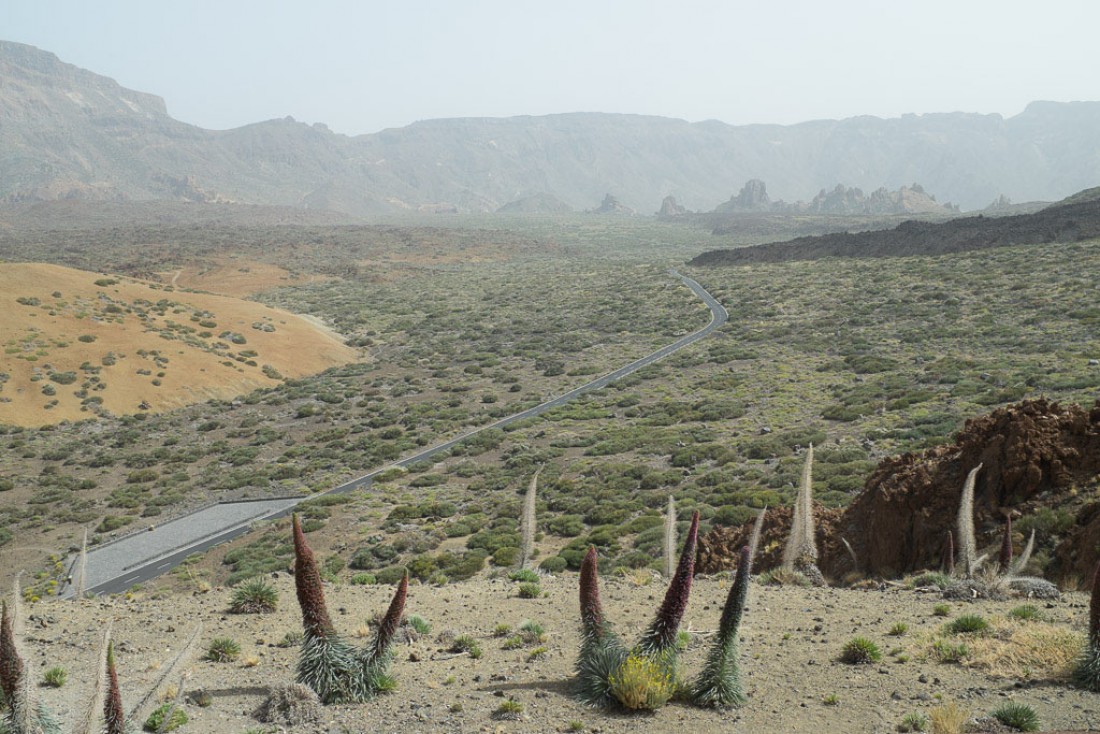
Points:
(236, 276)
(791, 636)
(43, 339)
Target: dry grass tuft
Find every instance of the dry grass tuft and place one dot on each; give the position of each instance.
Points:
(950, 718)
(1017, 650)
(1025, 650)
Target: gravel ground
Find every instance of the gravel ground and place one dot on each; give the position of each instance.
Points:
(792, 637)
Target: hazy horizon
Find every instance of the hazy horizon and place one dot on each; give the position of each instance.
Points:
(364, 67)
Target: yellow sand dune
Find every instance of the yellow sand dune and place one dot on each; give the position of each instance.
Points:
(77, 343)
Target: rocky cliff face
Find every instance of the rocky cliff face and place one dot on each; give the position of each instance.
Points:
(67, 132)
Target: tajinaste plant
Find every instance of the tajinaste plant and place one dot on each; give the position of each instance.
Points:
(1021, 563)
(25, 714)
(965, 523)
(327, 664)
(606, 670)
(661, 635)
(720, 682)
(528, 521)
(669, 542)
(601, 654)
(112, 704)
(757, 531)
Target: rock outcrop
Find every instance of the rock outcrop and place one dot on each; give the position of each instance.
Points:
(851, 201)
(753, 197)
(611, 205)
(719, 549)
(1036, 455)
(670, 209)
(541, 203)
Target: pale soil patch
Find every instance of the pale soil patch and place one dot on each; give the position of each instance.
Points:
(146, 346)
(239, 277)
(791, 639)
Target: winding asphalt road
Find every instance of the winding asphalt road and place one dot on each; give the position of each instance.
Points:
(118, 565)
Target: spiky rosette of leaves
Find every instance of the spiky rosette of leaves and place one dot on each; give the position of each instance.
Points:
(328, 665)
(1087, 673)
(377, 656)
(112, 705)
(948, 561)
(1005, 558)
(11, 664)
(719, 683)
(661, 635)
(307, 582)
(598, 663)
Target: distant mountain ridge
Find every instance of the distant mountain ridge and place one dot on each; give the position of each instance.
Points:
(1074, 219)
(69, 133)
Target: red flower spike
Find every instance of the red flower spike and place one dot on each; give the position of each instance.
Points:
(735, 602)
(307, 582)
(11, 666)
(662, 633)
(591, 610)
(388, 628)
(112, 704)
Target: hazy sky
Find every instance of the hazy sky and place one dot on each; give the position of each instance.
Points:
(363, 66)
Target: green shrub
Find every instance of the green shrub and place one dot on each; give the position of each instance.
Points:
(1026, 613)
(529, 591)
(1019, 716)
(899, 629)
(55, 677)
(949, 652)
(113, 522)
(553, 564)
(532, 632)
(156, 722)
(968, 624)
(860, 651)
(223, 650)
(524, 574)
(506, 557)
(419, 624)
(364, 579)
(254, 596)
(467, 644)
(508, 709)
(913, 721)
(941, 610)
(931, 578)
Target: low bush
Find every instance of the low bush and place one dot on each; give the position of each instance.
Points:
(860, 651)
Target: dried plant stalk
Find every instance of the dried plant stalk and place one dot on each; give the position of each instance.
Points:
(529, 500)
(669, 542)
(965, 524)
